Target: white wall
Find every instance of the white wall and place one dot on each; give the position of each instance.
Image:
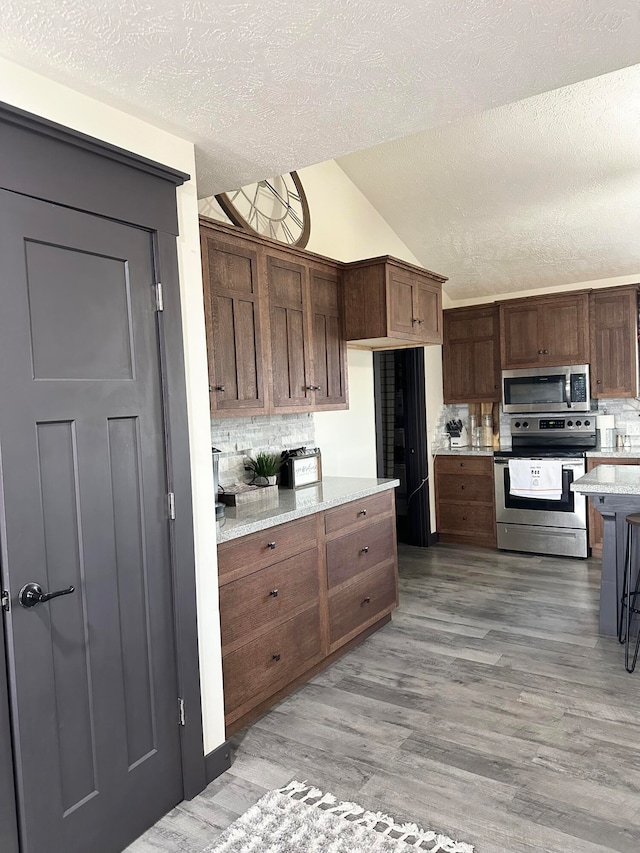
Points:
(346, 226)
(36, 94)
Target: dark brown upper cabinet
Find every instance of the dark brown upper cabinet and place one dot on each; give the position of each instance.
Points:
(471, 355)
(233, 305)
(288, 293)
(275, 334)
(549, 330)
(614, 342)
(329, 344)
(389, 303)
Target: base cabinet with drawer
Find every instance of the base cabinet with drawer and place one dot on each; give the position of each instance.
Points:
(295, 596)
(465, 501)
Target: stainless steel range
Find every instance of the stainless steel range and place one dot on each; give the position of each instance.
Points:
(536, 525)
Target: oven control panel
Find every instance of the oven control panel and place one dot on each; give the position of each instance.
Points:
(545, 426)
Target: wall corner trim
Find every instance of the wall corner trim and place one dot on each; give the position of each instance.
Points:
(217, 761)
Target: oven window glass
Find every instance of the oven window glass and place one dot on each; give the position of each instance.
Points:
(565, 504)
(532, 390)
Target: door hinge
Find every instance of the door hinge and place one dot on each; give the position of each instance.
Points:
(159, 297)
(171, 503)
(181, 714)
(6, 600)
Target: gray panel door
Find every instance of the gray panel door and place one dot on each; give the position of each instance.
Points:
(83, 503)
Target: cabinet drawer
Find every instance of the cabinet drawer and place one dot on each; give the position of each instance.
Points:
(358, 512)
(249, 553)
(465, 519)
(268, 596)
(351, 607)
(358, 551)
(466, 487)
(466, 464)
(263, 666)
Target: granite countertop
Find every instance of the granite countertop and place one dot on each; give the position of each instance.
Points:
(289, 504)
(609, 480)
(467, 451)
(611, 452)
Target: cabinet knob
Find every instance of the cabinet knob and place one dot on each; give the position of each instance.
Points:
(545, 352)
(598, 381)
(271, 545)
(462, 488)
(367, 600)
(364, 550)
(274, 593)
(275, 657)
(464, 517)
(218, 387)
(540, 351)
(314, 388)
(362, 512)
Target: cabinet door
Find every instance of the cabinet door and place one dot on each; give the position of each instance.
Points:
(290, 348)
(401, 304)
(457, 372)
(614, 330)
(232, 309)
(520, 335)
(471, 355)
(565, 327)
(329, 346)
(427, 310)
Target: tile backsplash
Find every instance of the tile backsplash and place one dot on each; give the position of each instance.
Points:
(238, 438)
(625, 411)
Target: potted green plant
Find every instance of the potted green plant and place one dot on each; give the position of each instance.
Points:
(265, 467)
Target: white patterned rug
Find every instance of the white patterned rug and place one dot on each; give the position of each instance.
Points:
(301, 819)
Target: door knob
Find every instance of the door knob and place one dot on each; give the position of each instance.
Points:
(32, 594)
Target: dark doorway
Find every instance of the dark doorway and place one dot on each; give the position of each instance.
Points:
(401, 438)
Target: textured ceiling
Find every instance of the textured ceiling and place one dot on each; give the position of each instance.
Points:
(265, 87)
(542, 192)
(487, 180)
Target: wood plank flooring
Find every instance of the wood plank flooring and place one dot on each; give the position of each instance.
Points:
(488, 709)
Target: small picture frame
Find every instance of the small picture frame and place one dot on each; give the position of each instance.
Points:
(302, 470)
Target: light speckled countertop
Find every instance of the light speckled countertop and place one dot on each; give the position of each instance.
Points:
(289, 504)
(605, 452)
(612, 453)
(609, 480)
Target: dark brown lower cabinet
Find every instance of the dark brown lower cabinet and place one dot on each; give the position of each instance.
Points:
(293, 596)
(465, 501)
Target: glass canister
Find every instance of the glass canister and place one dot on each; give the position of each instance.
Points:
(474, 431)
(487, 430)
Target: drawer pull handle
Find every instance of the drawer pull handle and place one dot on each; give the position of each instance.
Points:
(275, 657)
(365, 550)
(274, 593)
(362, 512)
(218, 387)
(271, 545)
(367, 600)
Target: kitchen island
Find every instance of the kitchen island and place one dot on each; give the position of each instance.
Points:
(615, 493)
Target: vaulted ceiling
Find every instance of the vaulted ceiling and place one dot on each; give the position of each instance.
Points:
(497, 197)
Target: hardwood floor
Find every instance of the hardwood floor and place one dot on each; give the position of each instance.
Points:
(488, 709)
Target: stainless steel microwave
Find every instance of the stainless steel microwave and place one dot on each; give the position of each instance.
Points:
(546, 389)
